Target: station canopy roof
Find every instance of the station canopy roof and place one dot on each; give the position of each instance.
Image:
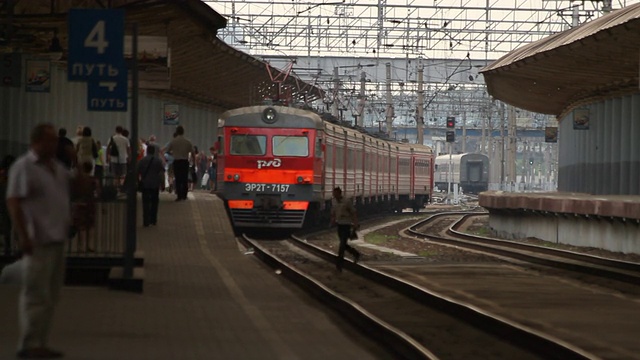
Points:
(592, 61)
(203, 69)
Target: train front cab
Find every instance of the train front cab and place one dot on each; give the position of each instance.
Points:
(474, 173)
(269, 171)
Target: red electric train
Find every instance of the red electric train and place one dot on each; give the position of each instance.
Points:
(277, 167)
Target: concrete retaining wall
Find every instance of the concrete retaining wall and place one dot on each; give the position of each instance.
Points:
(609, 234)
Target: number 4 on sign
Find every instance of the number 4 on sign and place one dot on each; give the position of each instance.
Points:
(96, 38)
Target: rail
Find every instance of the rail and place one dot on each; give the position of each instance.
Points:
(528, 339)
(399, 343)
(622, 271)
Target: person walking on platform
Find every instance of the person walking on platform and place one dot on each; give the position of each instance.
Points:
(118, 153)
(201, 166)
(38, 198)
(98, 172)
(86, 150)
(213, 164)
(65, 151)
(170, 183)
(79, 130)
(151, 174)
(180, 147)
(343, 214)
(152, 142)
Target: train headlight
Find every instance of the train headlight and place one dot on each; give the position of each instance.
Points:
(236, 177)
(303, 179)
(269, 115)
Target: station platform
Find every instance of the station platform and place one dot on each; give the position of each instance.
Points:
(603, 206)
(203, 299)
(610, 222)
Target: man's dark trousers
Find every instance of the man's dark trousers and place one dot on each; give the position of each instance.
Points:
(181, 172)
(343, 234)
(150, 206)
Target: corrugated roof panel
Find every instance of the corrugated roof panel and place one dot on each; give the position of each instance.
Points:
(594, 61)
(615, 18)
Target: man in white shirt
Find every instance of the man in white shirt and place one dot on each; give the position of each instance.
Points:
(38, 199)
(78, 136)
(118, 158)
(180, 147)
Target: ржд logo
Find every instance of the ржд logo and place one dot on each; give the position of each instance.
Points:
(271, 163)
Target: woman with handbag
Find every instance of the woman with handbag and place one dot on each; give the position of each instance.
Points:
(83, 210)
(86, 150)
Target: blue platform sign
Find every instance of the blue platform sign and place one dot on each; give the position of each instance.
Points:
(96, 55)
(107, 95)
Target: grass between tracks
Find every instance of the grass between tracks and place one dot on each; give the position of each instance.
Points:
(376, 239)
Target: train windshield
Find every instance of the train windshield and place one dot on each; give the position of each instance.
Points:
(248, 145)
(290, 146)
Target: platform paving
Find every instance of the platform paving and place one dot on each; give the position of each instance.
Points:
(203, 299)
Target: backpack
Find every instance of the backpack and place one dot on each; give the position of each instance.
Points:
(113, 149)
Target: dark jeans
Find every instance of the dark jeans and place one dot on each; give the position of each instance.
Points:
(343, 234)
(99, 172)
(150, 206)
(181, 173)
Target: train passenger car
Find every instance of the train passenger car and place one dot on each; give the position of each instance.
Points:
(377, 173)
(277, 167)
(469, 171)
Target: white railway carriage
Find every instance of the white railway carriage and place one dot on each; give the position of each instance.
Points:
(469, 171)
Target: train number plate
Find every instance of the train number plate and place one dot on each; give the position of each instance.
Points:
(279, 188)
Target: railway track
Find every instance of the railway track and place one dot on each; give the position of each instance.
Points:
(413, 322)
(594, 266)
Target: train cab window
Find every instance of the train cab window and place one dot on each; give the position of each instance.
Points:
(248, 145)
(290, 146)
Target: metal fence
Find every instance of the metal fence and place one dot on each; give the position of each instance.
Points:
(106, 237)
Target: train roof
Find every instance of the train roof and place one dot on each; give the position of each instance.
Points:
(286, 117)
(355, 133)
(456, 157)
